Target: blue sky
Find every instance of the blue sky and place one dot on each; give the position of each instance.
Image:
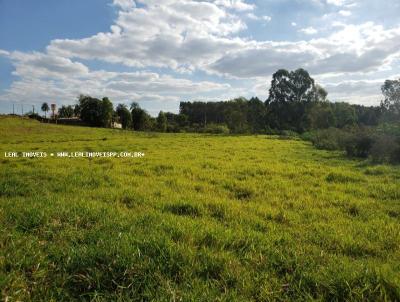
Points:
(159, 53)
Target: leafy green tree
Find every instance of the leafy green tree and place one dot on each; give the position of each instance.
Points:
(107, 110)
(256, 115)
(96, 112)
(391, 103)
(321, 93)
(321, 116)
(77, 110)
(162, 122)
(345, 114)
(45, 108)
(89, 110)
(368, 116)
(289, 95)
(235, 115)
(66, 111)
(141, 120)
(124, 116)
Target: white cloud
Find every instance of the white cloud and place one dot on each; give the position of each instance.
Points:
(55, 79)
(239, 5)
(345, 13)
(266, 18)
(180, 35)
(356, 92)
(336, 2)
(309, 30)
(352, 49)
(124, 4)
(190, 36)
(254, 17)
(4, 53)
(36, 65)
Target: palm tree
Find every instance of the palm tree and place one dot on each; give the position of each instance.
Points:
(45, 107)
(134, 105)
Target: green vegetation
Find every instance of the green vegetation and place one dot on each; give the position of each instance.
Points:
(381, 144)
(200, 218)
(296, 105)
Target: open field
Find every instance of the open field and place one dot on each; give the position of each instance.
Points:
(199, 218)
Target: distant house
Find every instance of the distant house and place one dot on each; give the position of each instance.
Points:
(116, 125)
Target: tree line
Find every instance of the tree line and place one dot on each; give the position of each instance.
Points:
(296, 104)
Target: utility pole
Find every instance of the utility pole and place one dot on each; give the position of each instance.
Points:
(33, 109)
(13, 109)
(22, 109)
(205, 115)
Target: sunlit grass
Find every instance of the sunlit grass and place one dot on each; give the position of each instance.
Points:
(200, 217)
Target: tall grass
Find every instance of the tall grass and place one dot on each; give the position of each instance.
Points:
(199, 218)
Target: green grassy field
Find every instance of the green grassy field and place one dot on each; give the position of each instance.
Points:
(199, 218)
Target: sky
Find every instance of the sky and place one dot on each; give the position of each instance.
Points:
(161, 52)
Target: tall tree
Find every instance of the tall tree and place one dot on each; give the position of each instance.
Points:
(96, 112)
(141, 120)
(124, 115)
(45, 108)
(235, 115)
(345, 114)
(289, 96)
(320, 115)
(106, 112)
(256, 115)
(162, 122)
(391, 103)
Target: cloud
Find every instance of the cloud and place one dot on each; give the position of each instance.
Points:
(352, 49)
(209, 37)
(180, 35)
(309, 30)
(124, 4)
(356, 92)
(254, 17)
(4, 53)
(262, 61)
(239, 5)
(38, 65)
(266, 18)
(336, 2)
(345, 13)
(187, 36)
(54, 79)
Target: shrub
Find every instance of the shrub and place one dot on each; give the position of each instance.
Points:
(384, 149)
(395, 157)
(288, 134)
(216, 129)
(359, 144)
(328, 139)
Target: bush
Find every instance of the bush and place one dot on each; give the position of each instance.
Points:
(327, 139)
(385, 149)
(395, 156)
(216, 129)
(288, 134)
(359, 144)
